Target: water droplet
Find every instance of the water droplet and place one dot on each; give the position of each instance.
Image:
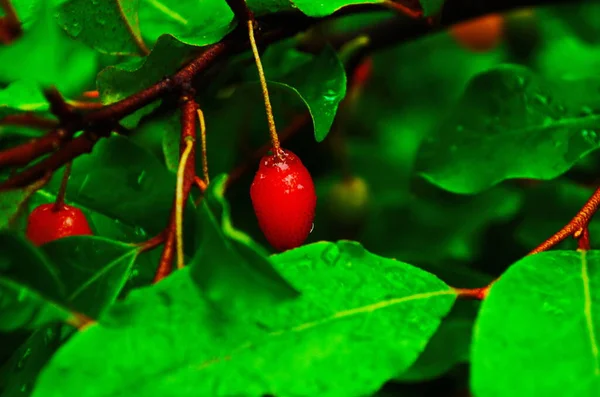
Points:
(140, 232)
(459, 128)
(75, 29)
(101, 21)
(453, 148)
(134, 273)
(49, 337)
(140, 178)
(24, 358)
(23, 388)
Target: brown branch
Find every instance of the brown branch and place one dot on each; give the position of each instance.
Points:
(583, 240)
(10, 25)
(58, 105)
(575, 227)
(188, 131)
(473, 293)
(28, 120)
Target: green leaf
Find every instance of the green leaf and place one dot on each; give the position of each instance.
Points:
(10, 202)
(191, 22)
(509, 124)
(123, 181)
(381, 318)
(45, 55)
(322, 8)
(122, 80)
(229, 267)
(110, 27)
(431, 7)
(21, 96)
(537, 331)
(30, 287)
(319, 80)
(93, 270)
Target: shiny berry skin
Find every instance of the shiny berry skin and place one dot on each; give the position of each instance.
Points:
(284, 200)
(46, 224)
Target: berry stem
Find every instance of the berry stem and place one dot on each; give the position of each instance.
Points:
(62, 191)
(179, 200)
(203, 143)
(402, 9)
(265, 90)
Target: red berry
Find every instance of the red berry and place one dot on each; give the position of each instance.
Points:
(47, 224)
(363, 72)
(284, 200)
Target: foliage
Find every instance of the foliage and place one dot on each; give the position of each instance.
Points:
(469, 160)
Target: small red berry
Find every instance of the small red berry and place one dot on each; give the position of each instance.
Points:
(46, 223)
(284, 200)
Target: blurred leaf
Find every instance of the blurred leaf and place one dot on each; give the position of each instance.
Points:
(319, 80)
(30, 286)
(322, 9)
(449, 346)
(189, 21)
(89, 23)
(122, 80)
(548, 207)
(431, 7)
(21, 96)
(229, 267)
(46, 56)
(10, 202)
(536, 330)
(294, 347)
(508, 124)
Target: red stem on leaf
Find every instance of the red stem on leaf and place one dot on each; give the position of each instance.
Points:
(583, 239)
(188, 131)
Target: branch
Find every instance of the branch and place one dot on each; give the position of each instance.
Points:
(576, 227)
(187, 155)
(10, 25)
(28, 120)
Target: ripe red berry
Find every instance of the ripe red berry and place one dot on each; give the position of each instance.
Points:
(284, 200)
(47, 224)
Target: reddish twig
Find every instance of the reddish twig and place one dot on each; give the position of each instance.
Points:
(58, 106)
(188, 131)
(583, 239)
(28, 120)
(11, 25)
(402, 9)
(473, 293)
(62, 191)
(151, 244)
(575, 227)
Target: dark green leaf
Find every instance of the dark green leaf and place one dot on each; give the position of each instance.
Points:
(10, 202)
(229, 267)
(509, 124)
(324, 8)
(120, 81)
(319, 80)
(31, 292)
(110, 26)
(190, 21)
(537, 331)
(431, 7)
(21, 96)
(121, 180)
(382, 318)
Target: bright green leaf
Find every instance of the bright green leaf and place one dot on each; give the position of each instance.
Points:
(191, 22)
(47, 56)
(110, 27)
(21, 96)
(508, 124)
(382, 319)
(324, 8)
(537, 331)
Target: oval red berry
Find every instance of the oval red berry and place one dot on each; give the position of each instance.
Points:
(46, 224)
(284, 200)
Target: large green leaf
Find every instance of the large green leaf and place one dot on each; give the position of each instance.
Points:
(509, 124)
(537, 331)
(319, 80)
(110, 26)
(308, 7)
(122, 80)
(229, 267)
(355, 307)
(21, 96)
(31, 291)
(190, 21)
(46, 55)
